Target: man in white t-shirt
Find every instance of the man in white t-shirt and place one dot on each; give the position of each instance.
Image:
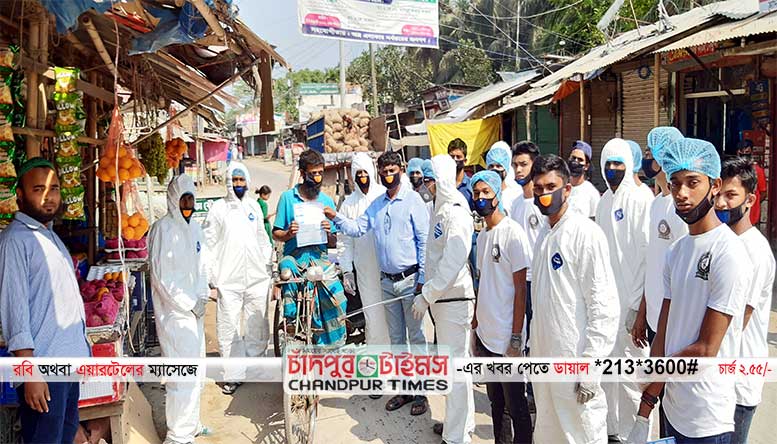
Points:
(706, 277)
(622, 214)
(526, 213)
(576, 309)
(665, 227)
(498, 160)
(503, 257)
(733, 205)
(584, 197)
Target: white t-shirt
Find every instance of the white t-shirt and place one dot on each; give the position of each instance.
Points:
(509, 196)
(532, 221)
(584, 199)
(709, 270)
(502, 251)
(759, 296)
(665, 228)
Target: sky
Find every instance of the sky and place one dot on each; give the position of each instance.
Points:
(275, 21)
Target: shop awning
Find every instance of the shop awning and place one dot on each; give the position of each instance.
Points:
(534, 96)
(464, 107)
(757, 24)
(647, 38)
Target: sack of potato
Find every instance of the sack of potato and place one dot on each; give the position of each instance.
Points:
(345, 130)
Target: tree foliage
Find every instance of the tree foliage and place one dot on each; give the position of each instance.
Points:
(286, 89)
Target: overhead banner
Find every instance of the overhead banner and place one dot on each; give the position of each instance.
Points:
(386, 22)
(479, 135)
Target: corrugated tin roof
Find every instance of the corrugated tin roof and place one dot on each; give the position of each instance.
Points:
(758, 24)
(637, 40)
(535, 95)
(463, 107)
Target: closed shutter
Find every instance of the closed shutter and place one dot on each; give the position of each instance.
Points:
(570, 121)
(638, 105)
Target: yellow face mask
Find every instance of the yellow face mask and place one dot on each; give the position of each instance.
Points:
(187, 213)
(363, 180)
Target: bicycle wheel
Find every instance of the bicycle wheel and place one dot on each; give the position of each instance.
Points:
(279, 329)
(300, 418)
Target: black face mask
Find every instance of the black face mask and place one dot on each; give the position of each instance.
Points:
(311, 184)
(554, 201)
(576, 169)
(731, 216)
(391, 181)
(459, 166)
(694, 215)
(747, 157)
(485, 207)
(614, 177)
(239, 191)
(647, 168)
(416, 181)
(363, 183)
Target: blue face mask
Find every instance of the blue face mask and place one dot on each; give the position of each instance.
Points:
(523, 181)
(239, 191)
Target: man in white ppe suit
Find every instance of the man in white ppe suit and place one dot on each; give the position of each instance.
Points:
(448, 289)
(359, 253)
(575, 309)
(623, 215)
(239, 253)
(179, 293)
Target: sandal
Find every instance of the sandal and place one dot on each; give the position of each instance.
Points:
(397, 402)
(419, 407)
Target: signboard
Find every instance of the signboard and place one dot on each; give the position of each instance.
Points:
(679, 55)
(386, 22)
(759, 101)
(317, 89)
(202, 206)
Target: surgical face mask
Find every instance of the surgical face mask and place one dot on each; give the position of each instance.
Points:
(416, 181)
(523, 181)
(239, 191)
(313, 182)
(391, 181)
(695, 214)
(647, 168)
(550, 203)
(576, 169)
(485, 207)
(731, 216)
(459, 166)
(614, 177)
(187, 213)
(363, 182)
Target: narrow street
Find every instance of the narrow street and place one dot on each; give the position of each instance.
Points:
(255, 413)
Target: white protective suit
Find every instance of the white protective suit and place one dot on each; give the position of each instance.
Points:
(575, 315)
(624, 217)
(178, 281)
(360, 252)
(447, 277)
(240, 256)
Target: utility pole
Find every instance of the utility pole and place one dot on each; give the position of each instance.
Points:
(342, 74)
(517, 35)
(374, 81)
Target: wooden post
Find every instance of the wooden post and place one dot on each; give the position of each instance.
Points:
(528, 122)
(583, 116)
(91, 179)
(657, 90)
(43, 58)
(33, 142)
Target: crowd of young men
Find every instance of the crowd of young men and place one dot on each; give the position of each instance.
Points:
(524, 258)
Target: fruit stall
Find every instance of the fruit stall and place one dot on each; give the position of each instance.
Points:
(94, 87)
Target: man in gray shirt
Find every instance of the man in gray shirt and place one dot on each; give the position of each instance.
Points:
(41, 310)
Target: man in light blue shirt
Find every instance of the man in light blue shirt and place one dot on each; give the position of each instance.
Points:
(400, 222)
(41, 310)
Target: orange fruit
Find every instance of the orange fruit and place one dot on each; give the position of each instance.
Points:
(129, 233)
(135, 172)
(124, 223)
(124, 175)
(122, 152)
(125, 162)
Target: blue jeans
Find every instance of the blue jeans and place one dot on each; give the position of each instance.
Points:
(743, 416)
(723, 438)
(57, 426)
(403, 329)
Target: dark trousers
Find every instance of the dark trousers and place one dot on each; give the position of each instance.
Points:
(57, 426)
(507, 397)
(723, 438)
(743, 417)
(529, 314)
(651, 335)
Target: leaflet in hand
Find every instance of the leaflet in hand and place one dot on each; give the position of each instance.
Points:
(309, 216)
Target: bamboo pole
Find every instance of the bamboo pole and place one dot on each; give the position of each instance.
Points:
(582, 110)
(98, 43)
(33, 142)
(42, 59)
(91, 151)
(209, 17)
(657, 90)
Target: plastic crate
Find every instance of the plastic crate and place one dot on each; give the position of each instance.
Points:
(99, 391)
(10, 427)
